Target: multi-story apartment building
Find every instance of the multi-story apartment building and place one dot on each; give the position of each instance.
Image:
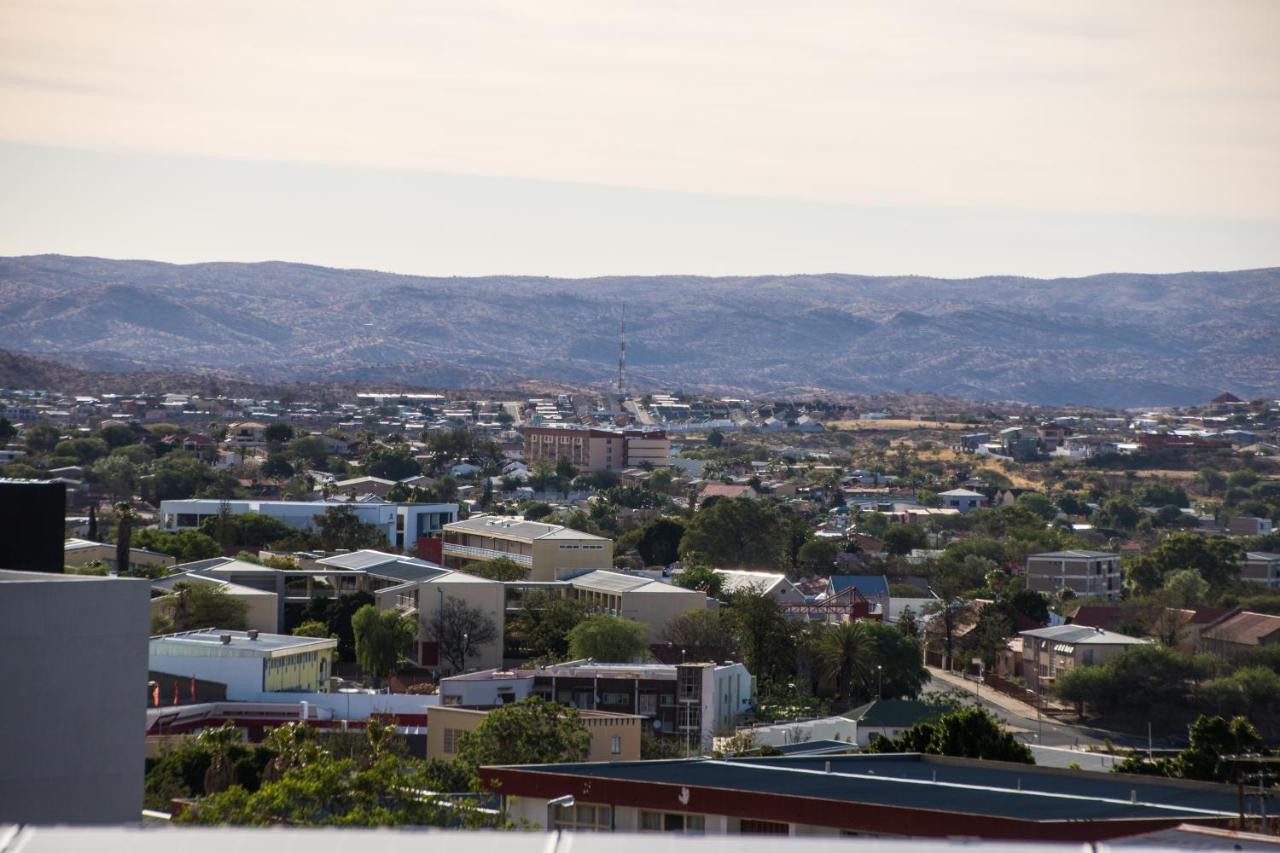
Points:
(597, 448)
(1086, 573)
(1261, 567)
(549, 551)
(405, 525)
(1049, 652)
(693, 702)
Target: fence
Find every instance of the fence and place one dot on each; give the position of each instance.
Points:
(1016, 691)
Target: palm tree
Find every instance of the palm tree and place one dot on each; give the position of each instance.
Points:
(846, 653)
(221, 774)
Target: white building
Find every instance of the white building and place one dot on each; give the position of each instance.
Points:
(247, 662)
(963, 500)
(770, 583)
(404, 524)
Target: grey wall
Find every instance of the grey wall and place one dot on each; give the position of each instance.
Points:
(73, 674)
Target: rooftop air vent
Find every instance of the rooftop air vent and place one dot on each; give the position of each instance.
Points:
(225, 638)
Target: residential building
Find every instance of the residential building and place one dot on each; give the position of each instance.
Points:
(81, 552)
(425, 597)
(549, 551)
(249, 663)
(857, 727)
(694, 702)
(1244, 525)
(596, 448)
(614, 736)
(1049, 652)
(914, 796)
(1239, 632)
(73, 659)
(652, 603)
(246, 434)
(406, 525)
(963, 500)
(769, 583)
(1086, 573)
(1261, 567)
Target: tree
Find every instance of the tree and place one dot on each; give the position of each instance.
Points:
(1212, 740)
(1117, 512)
(1134, 682)
(310, 451)
(817, 556)
(497, 569)
(390, 463)
(658, 541)
(902, 672)
(846, 652)
(41, 438)
(902, 539)
(715, 438)
(116, 435)
(969, 732)
(337, 614)
(382, 638)
(1215, 559)
(609, 639)
(763, 634)
(200, 604)
(313, 628)
(989, 633)
(460, 631)
(531, 731)
(183, 545)
(908, 624)
(93, 523)
(739, 533)
(342, 529)
(117, 475)
(7, 430)
(1039, 504)
(277, 466)
(702, 629)
(125, 516)
(1186, 588)
(543, 622)
(249, 530)
(278, 432)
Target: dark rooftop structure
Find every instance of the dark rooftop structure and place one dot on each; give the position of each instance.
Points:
(893, 794)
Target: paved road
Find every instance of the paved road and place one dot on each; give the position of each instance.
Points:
(1047, 731)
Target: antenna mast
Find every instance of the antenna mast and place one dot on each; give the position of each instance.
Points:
(622, 349)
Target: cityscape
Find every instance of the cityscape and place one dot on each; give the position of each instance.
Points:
(833, 428)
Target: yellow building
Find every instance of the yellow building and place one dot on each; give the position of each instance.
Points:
(549, 551)
(249, 663)
(614, 737)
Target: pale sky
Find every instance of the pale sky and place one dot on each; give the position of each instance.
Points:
(589, 137)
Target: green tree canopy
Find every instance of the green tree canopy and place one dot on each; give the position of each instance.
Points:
(497, 569)
(702, 577)
(382, 637)
(658, 541)
(969, 732)
(183, 545)
(199, 604)
(763, 635)
(737, 533)
(542, 624)
(704, 629)
(609, 639)
(531, 731)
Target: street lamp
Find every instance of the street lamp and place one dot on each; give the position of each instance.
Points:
(879, 682)
(567, 801)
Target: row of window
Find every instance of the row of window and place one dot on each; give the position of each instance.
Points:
(581, 547)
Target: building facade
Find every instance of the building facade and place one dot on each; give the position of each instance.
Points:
(596, 448)
(405, 525)
(249, 663)
(1086, 573)
(548, 551)
(1261, 567)
(1049, 652)
(614, 737)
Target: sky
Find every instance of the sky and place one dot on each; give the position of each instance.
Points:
(590, 137)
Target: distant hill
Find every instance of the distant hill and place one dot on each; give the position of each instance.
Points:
(1113, 340)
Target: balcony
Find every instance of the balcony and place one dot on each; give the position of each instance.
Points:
(471, 553)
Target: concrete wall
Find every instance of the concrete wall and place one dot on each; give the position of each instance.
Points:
(73, 661)
(553, 558)
(656, 609)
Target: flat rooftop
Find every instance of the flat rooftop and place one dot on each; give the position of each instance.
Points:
(911, 781)
(211, 639)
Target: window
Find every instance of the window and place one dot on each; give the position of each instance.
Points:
(615, 745)
(672, 822)
(451, 741)
(582, 817)
(764, 827)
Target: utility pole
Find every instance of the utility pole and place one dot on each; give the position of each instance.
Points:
(622, 352)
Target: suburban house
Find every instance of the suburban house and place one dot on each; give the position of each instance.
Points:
(262, 607)
(635, 597)
(1261, 567)
(769, 583)
(82, 552)
(246, 434)
(874, 588)
(1239, 632)
(1244, 525)
(548, 551)
(406, 525)
(727, 490)
(1048, 652)
(614, 736)
(912, 795)
(1086, 573)
(963, 500)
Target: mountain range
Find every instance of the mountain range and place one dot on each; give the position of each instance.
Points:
(1114, 340)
